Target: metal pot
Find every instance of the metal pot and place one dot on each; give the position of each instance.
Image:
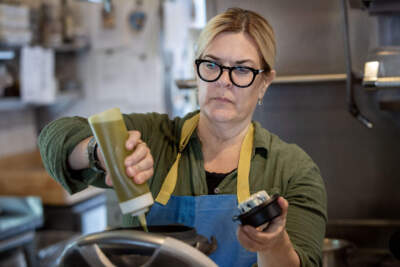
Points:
(335, 252)
(183, 233)
(164, 245)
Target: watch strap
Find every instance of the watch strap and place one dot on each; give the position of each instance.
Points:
(94, 162)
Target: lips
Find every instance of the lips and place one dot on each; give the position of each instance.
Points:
(222, 99)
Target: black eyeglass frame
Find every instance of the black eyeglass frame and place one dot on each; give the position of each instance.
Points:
(230, 69)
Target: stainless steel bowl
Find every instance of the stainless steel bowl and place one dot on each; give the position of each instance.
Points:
(336, 252)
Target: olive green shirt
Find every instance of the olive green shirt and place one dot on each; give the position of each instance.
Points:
(276, 167)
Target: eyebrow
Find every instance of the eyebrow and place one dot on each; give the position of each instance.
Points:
(236, 62)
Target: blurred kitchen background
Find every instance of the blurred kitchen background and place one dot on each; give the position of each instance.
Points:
(337, 95)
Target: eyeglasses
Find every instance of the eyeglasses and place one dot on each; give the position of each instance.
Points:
(240, 76)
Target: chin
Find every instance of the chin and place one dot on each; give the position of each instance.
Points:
(222, 115)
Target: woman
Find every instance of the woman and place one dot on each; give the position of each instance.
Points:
(199, 166)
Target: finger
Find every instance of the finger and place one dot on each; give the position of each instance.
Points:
(143, 176)
(284, 205)
(246, 241)
(138, 155)
(257, 236)
(264, 241)
(280, 221)
(133, 139)
(108, 180)
(144, 165)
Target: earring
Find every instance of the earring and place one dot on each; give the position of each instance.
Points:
(260, 101)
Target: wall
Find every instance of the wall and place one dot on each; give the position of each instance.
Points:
(122, 69)
(359, 165)
(311, 115)
(309, 34)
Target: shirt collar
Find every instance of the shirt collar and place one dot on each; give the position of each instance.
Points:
(262, 139)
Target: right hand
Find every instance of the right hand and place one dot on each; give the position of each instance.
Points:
(139, 164)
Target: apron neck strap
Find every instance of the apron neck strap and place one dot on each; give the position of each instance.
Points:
(187, 130)
(170, 181)
(243, 176)
(243, 188)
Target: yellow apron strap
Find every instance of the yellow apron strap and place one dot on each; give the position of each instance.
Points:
(170, 181)
(243, 187)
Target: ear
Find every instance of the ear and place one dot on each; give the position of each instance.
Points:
(267, 80)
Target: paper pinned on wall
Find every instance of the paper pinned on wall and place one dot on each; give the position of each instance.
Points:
(111, 74)
(38, 84)
(126, 77)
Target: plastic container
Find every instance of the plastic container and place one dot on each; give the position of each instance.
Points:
(259, 209)
(111, 134)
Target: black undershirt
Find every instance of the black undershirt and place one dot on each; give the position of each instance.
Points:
(214, 179)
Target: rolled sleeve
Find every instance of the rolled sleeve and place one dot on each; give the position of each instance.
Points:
(56, 142)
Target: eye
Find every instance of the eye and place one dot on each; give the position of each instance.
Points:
(242, 70)
(211, 65)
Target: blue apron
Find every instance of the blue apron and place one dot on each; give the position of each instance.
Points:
(210, 215)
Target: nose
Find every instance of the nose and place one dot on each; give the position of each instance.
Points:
(225, 80)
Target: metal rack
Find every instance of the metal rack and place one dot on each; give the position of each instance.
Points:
(62, 100)
(15, 103)
(351, 102)
(381, 73)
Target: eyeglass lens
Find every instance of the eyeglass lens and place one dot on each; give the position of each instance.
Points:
(240, 76)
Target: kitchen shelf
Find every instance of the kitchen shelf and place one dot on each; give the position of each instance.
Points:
(6, 54)
(76, 46)
(6, 46)
(12, 103)
(15, 103)
(390, 104)
(71, 47)
(306, 78)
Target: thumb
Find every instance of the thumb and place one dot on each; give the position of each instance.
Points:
(279, 221)
(284, 204)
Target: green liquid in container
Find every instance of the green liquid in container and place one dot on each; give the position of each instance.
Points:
(111, 134)
(143, 222)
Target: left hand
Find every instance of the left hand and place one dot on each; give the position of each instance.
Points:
(257, 240)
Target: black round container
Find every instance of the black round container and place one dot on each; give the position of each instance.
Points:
(261, 214)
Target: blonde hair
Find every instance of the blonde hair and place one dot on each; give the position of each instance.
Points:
(240, 20)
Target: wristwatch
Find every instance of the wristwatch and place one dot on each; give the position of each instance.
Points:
(94, 162)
